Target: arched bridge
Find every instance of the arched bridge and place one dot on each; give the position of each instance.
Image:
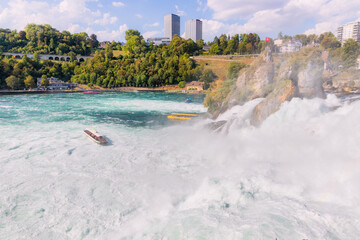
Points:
(48, 56)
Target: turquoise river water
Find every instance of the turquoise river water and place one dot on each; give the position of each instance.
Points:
(295, 177)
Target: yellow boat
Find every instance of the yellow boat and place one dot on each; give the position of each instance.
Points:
(178, 118)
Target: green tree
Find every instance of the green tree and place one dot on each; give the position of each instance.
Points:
(214, 49)
(130, 33)
(29, 82)
(13, 82)
(109, 52)
(223, 43)
(93, 42)
(36, 56)
(44, 81)
(350, 52)
(330, 42)
(182, 84)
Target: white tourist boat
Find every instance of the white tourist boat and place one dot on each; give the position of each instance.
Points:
(95, 136)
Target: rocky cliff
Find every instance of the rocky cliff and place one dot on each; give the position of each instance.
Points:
(277, 81)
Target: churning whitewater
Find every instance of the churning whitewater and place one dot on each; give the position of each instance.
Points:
(294, 177)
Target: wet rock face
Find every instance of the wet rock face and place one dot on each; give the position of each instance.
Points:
(310, 82)
(299, 75)
(216, 126)
(257, 77)
(284, 91)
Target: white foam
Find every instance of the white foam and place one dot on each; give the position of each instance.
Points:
(295, 177)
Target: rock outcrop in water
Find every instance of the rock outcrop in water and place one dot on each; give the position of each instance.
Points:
(277, 81)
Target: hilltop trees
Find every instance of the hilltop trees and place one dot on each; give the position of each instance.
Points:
(48, 40)
(144, 65)
(241, 44)
(328, 40)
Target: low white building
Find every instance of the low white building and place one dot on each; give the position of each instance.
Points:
(291, 46)
(278, 42)
(358, 62)
(159, 40)
(56, 84)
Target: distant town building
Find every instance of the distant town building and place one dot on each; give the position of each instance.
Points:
(104, 44)
(278, 42)
(193, 29)
(358, 62)
(195, 85)
(171, 25)
(291, 46)
(159, 40)
(349, 30)
(206, 48)
(56, 84)
(314, 43)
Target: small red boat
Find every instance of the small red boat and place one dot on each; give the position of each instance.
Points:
(91, 92)
(95, 136)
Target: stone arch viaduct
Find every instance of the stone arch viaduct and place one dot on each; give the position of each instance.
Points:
(48, 56)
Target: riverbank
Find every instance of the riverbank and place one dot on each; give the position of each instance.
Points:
(169, 89)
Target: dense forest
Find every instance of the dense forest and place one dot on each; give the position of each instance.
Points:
(141, 64)
(144, 65)
(48, 40)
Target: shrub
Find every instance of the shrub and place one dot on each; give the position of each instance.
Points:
(182, 84)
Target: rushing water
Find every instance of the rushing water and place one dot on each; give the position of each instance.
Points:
(295, 177)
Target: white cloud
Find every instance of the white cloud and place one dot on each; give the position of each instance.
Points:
(139, 15)
(201, 6)
(104, 35)
(269, 17)
(321, 28)
(155, 24)
(150, 34)
(107, 19)
(118, 4)
(179, 12)
(212, 28)
(73, 16)
(240, 9)
(61, 15)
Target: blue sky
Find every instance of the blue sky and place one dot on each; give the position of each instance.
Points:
(109, 19)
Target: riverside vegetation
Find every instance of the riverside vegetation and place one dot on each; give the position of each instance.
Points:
(143, 64)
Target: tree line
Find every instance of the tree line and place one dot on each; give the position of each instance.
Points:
(45, 39)
(237, 44)
(143, 65)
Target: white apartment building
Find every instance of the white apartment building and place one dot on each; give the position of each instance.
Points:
(349, 30)
(193, 29)
(171, 25)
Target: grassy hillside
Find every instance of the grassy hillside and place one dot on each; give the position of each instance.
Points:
(220, 65)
